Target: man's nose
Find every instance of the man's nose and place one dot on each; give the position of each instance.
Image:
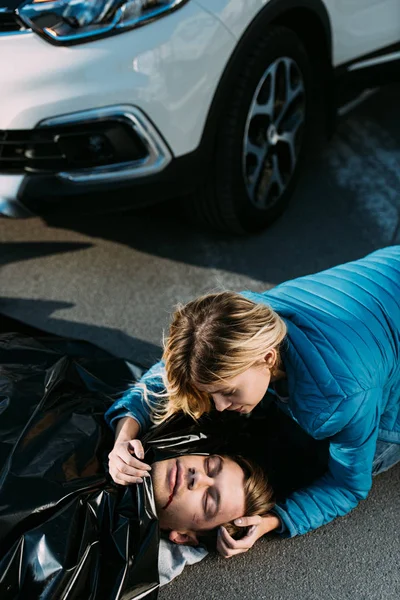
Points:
(221, 403)
(200, 479)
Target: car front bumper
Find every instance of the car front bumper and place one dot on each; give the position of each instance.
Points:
(163, 75)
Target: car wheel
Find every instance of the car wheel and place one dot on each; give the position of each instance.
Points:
(262, 137)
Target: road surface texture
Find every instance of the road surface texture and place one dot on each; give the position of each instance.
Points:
(114, 279)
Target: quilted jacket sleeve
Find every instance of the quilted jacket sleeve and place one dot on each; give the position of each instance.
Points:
(349, 477)
(133, 404)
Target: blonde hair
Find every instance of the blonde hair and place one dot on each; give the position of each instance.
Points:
(213, 338)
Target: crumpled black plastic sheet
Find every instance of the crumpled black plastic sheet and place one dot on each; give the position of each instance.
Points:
(67, 532)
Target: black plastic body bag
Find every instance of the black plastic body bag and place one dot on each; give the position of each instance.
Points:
(67, 531)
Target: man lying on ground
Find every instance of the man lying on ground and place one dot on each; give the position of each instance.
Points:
(196, 494)
(65, 527)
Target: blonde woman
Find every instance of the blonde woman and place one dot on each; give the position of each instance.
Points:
(327, 347)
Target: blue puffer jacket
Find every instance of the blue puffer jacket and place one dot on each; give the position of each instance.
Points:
(342, 361)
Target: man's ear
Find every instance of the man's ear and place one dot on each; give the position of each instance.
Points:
(189, 538)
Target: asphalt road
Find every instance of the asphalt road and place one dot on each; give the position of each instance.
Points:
(113, 280)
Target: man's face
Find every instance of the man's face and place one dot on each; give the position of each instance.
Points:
(197, 493)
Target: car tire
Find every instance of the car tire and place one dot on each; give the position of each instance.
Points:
(243, 193)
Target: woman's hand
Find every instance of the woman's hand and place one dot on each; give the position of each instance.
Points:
(123, 466)
(258, 526)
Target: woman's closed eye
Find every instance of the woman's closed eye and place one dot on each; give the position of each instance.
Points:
(228, 393)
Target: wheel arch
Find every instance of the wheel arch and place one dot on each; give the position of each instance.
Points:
(304, 17)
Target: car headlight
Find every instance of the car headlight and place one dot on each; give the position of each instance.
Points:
(75, 21)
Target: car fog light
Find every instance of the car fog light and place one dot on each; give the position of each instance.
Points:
(100, 144)
(85, 149)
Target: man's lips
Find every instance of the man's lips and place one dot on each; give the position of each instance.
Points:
(179, 477)
(175, 480)
(172, 478)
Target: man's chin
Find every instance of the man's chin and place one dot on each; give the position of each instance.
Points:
(158, 476)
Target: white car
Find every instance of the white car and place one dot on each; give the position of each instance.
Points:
(126, 102)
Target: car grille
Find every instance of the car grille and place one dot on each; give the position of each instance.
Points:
(28, 150)
(10, 23)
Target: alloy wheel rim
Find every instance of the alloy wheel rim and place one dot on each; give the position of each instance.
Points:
(274, 132)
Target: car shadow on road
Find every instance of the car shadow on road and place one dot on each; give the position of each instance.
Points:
(315, 233)
(40, 314)
(337, 213)
(11, 252)
(332, 218)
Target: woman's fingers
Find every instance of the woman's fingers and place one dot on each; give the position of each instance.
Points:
(228, 547)
(226, 551)
(132, 461)
(137, 447)
(121, 476)
(127, 479)
(126, 468)
(231, 543)
(132, 471)
(248, 521)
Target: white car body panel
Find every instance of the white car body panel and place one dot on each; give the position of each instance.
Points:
(169, 69)
(358, 26)
(362, 26)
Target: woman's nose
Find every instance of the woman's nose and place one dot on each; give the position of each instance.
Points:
(221, 403)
